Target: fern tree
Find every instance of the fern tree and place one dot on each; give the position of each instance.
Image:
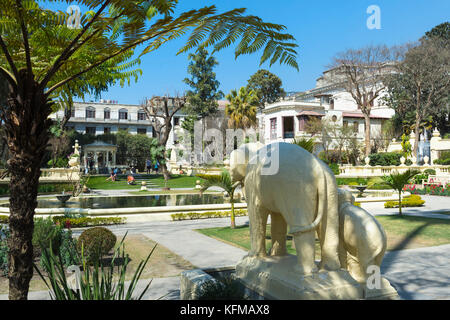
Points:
(43, 59)
(222, 181)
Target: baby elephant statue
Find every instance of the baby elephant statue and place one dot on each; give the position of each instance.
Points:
(298, 191)
(362, 238)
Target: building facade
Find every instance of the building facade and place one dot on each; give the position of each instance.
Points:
(288, 118)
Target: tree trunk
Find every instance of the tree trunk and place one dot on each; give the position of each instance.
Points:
(26, 126)
(233, 219)
(165, 171)
(367, 134)
(23, 193)
(400, 203)
(417, 133)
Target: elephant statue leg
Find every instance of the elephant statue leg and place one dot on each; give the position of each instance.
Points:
(305, 251)
(342, 255)
(258, 222)
(354, 268)
(278, 232)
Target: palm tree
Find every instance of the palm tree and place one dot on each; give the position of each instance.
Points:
(242, 108)
(307, 144)
(223, 181)
(397, 181)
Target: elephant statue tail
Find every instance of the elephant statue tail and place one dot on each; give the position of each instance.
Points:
(321, 207)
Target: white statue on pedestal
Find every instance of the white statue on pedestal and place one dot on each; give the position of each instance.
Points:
(298, 191)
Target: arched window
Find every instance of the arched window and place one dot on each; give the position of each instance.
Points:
(90, 112)
(123, 114)
(142, 115)
(107, 113)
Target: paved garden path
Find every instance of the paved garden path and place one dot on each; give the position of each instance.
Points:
(433, 204)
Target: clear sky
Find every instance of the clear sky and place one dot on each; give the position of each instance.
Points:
(321, 28)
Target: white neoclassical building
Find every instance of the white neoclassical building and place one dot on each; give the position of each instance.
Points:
(108, 116)
(287, 119)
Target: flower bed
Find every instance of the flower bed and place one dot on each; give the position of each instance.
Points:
(433, 189)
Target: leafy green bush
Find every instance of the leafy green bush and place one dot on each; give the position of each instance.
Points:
(206, 215)
(43, 188)
(351, 181)
(68, 249)
(4, 235)
(223, 288)
(86, 221)
(96, 242)
(444, 158)
(385, 159)
(61, 162)
(408, 201)
(46, 233)
(335, 168)
(4, 219)
(4, 189)
(442, 162)
(95, 283)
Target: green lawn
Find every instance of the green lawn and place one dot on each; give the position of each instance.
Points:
(176, 181)
(240, 237)
(402, 232)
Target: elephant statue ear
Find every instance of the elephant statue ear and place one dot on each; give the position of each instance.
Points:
(239, 159)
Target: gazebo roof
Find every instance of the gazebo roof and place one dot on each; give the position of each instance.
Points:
(98, 145)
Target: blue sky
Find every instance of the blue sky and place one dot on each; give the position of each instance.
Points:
(321, 28)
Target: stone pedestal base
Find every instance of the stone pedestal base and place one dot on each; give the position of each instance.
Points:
(384, 292)
(275, 278)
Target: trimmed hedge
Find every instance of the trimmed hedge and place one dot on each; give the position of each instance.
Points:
(385, 159)
(206, 215)
(43, 188)
(408, 201)
(96, 242)
(86, 221)
(78, 222)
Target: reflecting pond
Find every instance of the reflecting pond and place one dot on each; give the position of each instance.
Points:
(135, 201)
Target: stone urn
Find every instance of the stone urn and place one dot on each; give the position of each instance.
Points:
(361, 189)
(402, 160)
(63, 198)
(367, 161)
(426, 159)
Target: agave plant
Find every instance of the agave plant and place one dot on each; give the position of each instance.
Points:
(223, 181)
(397, 181)
(97, 282)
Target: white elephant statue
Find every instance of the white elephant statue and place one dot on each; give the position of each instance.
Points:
(301, 194)
(363, 240)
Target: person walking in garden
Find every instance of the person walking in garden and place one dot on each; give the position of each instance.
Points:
(148, 164)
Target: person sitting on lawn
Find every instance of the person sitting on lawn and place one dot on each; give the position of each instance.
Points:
(112, 176)
(131, 180)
